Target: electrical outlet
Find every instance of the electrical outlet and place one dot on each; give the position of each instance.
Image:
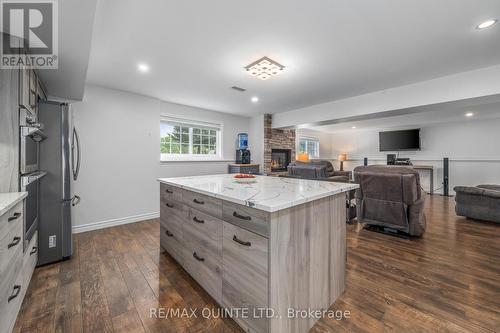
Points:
(52, 241)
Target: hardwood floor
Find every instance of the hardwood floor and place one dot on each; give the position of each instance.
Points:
(447, 281)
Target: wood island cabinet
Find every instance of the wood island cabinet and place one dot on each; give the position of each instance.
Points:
(253, 259)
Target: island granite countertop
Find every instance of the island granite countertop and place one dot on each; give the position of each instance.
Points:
(269, 194)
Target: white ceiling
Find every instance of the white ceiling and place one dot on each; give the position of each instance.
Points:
(443, 113)
(332, 49)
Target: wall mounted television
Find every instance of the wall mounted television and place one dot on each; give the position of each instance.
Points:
(399, 140)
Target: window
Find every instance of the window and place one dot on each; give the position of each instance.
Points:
(310, 146)
(184, 140)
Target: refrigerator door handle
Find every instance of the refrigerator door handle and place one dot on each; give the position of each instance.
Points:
(76, 139)
(75, 200)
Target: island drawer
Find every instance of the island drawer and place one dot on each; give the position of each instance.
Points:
(245, 273)
(204, 227)
(173, 214)
(172, 243)
(170, 192)
(246, 217)
(204, 203)
(205, 266)
(11, 247)
(211, 245)
(13, 217)
(172, 205)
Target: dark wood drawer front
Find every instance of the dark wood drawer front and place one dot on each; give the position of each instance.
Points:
(170, 192)
(245, 273)
(209, 205)
(205, 229)
(172, 244)
(205, 266)
(246, 217)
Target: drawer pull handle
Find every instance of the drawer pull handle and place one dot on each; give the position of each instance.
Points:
(33, 250)
(239, 241)
(169, 205)
(16, 290)
(243, 217)
(197, 220)
(15, 241)
(169, 234)
(168, 191)
(199, 202)
(197, 257)
(14, 217)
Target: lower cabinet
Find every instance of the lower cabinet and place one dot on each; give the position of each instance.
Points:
(204, 265)
(170, 242)
(229, 262)
(15, 285)
(245, 275)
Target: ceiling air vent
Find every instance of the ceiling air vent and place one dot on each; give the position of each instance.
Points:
(238, 89)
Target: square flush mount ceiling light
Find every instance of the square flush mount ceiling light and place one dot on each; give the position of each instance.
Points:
(264, 68)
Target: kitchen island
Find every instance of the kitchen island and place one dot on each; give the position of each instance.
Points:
(263, 250)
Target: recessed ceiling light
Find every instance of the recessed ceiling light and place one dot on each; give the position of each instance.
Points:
(143, 68)
(353, 127)
(264, 68)
(254, 99)
(469, 114)
(487, 24)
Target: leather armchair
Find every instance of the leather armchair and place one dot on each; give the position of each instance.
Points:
(481, 202)
(318, 169)
(390, 197)
(323, 171)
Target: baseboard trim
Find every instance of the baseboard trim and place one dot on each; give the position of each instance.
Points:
(114, 222)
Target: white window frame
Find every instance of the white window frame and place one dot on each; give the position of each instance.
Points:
(309, 138)
(193, 157)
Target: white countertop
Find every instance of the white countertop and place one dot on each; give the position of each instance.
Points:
(268, 193)
(9, 200)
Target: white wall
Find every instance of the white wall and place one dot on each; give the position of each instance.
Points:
(256, 140)
(120, 141)
(472, 147)
(325, 142)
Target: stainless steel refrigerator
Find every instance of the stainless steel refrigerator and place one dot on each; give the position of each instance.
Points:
(60, 158)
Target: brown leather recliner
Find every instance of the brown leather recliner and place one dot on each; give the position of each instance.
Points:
(317, 169)
(390, 197)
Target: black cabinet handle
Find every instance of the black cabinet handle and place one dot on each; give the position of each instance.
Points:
(14, 217)
(33, 250)
(169, 205)
(169, 234)
(168, 191)
(16, 290)
(243, 217)
(15, 241)
(197, 220)
(199, 202)
(197, 257)
(239, 241)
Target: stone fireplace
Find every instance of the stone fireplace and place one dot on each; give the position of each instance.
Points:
(281, 142)
(280, 158)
